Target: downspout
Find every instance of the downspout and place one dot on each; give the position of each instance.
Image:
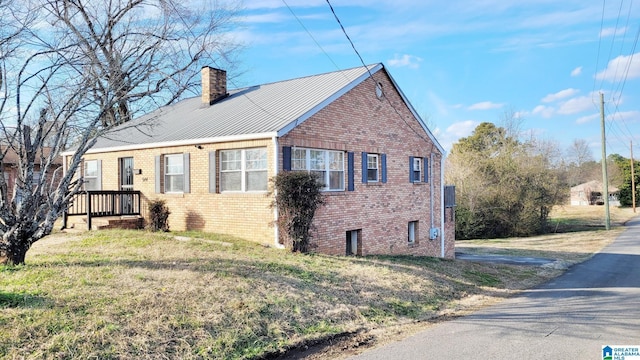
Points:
(431, 191)
(276, 158)
(442, 229)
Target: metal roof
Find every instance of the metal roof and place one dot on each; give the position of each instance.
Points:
(264, 110)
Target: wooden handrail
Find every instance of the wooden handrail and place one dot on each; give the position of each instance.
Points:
(98, 203)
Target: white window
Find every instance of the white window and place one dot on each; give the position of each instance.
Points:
(417, 169)
(413, 232)
(174, 173)
(243, 170)
(328, 164)
(372, 168)
(91, 175)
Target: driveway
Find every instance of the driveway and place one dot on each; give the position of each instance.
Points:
(504, 259)
(593, 304)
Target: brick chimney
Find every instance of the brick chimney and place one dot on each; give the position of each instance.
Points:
(214, 84)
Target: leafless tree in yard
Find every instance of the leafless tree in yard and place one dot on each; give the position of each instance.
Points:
(71, 70)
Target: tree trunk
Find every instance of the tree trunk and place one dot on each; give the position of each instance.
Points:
(15, 254)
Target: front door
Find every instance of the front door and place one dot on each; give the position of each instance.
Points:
(126, 184)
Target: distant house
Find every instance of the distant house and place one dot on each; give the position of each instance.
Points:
(211, 159)
(590, 193)
(10, 167)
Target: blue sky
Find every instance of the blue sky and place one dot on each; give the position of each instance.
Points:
(462, 62)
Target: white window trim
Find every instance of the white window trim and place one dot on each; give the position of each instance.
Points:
(419, 169)
(412, 232)
(167, 173)
(243, 170)
(377, 168)
(327, 169)
(92, 177)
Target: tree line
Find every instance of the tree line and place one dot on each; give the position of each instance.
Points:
(506, 185)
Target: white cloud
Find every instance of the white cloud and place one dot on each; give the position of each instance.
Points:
(606, 32)
(576, 105)
(264, 18)
(626, 116)
(455, 131)
(617, 67)
(544, 111)
(405, 60)
(577, 71)
(560, 95)
(485, 105)
(587, 119)
(462, 128)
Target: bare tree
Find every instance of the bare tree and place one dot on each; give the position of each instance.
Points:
(579, 153)
(579, 162)
(82, 68)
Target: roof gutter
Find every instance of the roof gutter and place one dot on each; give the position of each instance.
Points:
(211, 140)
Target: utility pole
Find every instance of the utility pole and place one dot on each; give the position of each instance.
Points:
(633, 180)
(605, 177)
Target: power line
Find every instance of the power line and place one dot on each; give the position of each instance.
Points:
(371, 76)
(184, 22)
(615, 32)
(348, 38)
(624, 35)
(595, 78)
(311, 35)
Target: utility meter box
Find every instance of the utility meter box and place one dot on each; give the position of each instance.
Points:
(434, 233)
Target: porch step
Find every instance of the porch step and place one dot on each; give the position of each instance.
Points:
(116, 222)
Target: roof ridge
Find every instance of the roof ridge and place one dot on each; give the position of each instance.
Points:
(368, 67)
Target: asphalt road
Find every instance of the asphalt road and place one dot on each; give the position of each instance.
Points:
(593, 304)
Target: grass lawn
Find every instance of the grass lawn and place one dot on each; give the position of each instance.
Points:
(118, 294)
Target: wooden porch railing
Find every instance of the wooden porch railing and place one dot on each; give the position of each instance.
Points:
(103, 203)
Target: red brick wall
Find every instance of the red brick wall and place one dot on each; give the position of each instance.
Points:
(360, 122)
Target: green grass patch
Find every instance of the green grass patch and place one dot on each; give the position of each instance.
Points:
(17, 300)
(482, 278)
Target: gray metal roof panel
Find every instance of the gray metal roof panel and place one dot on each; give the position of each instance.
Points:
(260, 109)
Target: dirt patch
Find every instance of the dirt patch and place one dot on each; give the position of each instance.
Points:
(351, 344)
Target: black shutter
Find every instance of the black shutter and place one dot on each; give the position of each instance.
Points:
(383, 165)
(286, 158)
(364, 168)
(350, 175)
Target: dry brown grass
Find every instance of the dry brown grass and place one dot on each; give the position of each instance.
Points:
(127, 294)
(581, 217)
(583, 235)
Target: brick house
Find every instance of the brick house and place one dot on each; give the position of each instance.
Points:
(211, 159)
(10, 167)
(590, 193)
